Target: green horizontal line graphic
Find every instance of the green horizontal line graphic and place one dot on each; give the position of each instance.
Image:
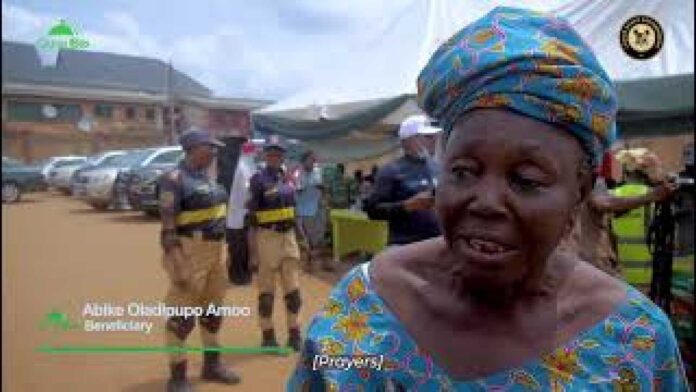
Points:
(161, 349)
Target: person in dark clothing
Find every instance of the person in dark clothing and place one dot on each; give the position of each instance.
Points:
(193, 211)
(272, 213)
(404, 190)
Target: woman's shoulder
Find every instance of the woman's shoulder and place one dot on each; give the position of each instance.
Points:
(629, 309)
(638, 306)
(623, 298)
(366, 292)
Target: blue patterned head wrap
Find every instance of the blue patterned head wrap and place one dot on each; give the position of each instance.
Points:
(529, 62)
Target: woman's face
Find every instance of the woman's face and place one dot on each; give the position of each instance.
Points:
(508, 193)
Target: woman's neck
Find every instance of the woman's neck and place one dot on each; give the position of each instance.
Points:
(541, 286)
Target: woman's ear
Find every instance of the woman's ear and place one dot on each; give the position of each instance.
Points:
(587, 180)
(584, 189)
(573, 218)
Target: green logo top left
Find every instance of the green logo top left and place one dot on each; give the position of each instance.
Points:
(62, 35)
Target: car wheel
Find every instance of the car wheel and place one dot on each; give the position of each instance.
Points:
(10, 192)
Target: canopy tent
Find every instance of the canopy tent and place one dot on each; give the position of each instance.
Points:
(354, 113)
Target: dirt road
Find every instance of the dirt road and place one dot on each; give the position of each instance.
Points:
(58, 255)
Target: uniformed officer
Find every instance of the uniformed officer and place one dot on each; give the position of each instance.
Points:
(193, 210)
(404, 191)
(272, 212)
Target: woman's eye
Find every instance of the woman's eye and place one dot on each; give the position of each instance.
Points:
(462, 172)
(525, 183)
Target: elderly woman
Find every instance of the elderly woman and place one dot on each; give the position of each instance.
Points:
(491, 305)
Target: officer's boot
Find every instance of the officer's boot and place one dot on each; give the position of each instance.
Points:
(178, 381)
(269, 338)
(213, 370)
(295, 339)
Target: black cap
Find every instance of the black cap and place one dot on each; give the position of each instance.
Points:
(197, 137)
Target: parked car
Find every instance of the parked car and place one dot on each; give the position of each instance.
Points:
(141, 183)
(77, 182)
(18, 178)
(49, 164)
(106, 185)
(61, 175)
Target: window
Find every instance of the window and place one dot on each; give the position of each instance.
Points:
(150, 114)
(24, 111)
(103, 110)
(35, 111)
(130, 112)
(68, 113)
(110, 159)
(70, 162)
(133, 158)
(168, 157)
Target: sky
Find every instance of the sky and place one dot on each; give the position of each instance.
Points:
(252, 49)
(278, 49)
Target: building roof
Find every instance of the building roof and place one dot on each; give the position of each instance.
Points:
(86, 69)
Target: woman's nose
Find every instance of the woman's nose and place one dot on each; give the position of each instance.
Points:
(487, 199)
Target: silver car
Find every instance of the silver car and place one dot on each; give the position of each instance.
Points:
(59, 177)
(106, 186)
(78, 181)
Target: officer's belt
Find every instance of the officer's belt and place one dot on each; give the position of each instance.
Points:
(277, 215)
(197, 216)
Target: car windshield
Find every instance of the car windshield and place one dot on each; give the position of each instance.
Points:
(109, 160)
(45, 161)
(168, 157)
(69, 162)
(134, 158)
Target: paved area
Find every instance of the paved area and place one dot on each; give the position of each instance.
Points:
(58, 254)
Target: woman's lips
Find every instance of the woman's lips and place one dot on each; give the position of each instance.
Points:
(486, 252)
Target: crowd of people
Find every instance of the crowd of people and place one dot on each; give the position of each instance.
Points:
(508, 243)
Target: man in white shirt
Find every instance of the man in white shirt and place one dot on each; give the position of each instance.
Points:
(239, 271)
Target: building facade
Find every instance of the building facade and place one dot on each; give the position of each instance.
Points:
(90, 102)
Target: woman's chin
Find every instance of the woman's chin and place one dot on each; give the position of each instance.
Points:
(492, 271)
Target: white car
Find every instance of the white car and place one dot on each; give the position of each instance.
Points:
(50, 163)
(106, 185)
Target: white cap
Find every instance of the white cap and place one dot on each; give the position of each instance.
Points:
(417, 125)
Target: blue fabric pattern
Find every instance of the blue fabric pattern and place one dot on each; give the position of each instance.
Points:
(633, 349)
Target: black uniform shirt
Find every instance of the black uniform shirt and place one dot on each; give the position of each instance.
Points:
(270, 191)
(184, 191)
(396, 182)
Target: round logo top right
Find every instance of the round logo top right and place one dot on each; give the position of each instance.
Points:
(641, 37)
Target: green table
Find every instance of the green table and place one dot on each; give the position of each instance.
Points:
(353, 231)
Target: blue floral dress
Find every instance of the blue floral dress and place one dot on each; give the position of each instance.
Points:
(633, 349)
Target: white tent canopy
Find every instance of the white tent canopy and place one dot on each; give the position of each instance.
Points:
(388, 68)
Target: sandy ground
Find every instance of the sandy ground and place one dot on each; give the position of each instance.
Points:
(59, 254)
